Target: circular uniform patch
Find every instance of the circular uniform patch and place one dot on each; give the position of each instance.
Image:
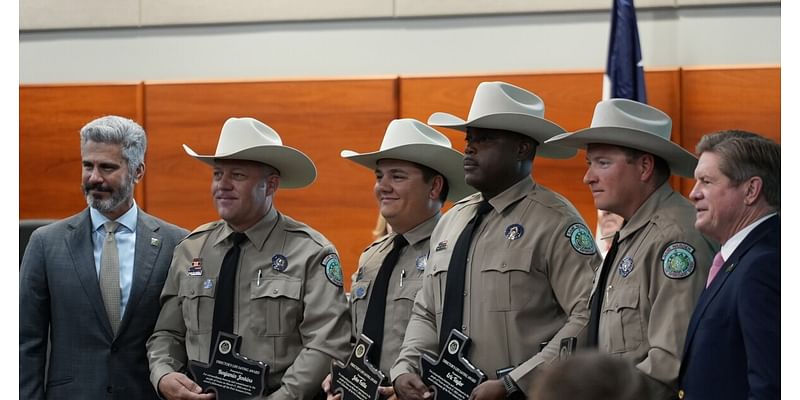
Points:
(678, 260)
(360, 350)
(452, 347)
(625, 267)
(422, 261)
(514, 232)
(580, 239)
(333, 269)
(360, 292)
(279, 262)
(225, 347)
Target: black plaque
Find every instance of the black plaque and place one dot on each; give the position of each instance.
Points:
(230, 375)
(357, 379)
(567, 347)
(452, 376)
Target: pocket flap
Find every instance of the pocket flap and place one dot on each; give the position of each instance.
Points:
(276, 288)
(626, 297)
(509, 260)
(197, 287)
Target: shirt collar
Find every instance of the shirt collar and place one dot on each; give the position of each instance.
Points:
(511, 195)
(422, 231)
(730, 246)
(258, 233)
(128, 220)
(645, 212)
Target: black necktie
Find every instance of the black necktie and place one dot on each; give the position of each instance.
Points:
(453, 308)
(226, 287)
(373, 321)
(596, 304)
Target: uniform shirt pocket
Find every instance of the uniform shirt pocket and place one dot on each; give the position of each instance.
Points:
(623, 319)
(197, 303)
(275, 306)
(505, 277)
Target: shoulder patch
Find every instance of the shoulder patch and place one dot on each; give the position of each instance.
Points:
(580, 239)
(333, 269)
(678, 260)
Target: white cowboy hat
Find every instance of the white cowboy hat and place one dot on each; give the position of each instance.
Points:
(410, 140)
(252, 140)
(499, 105)
(628, 123)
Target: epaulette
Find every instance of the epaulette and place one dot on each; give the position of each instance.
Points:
(377, 241)
(203, 228)
(467, 200)
(292, 225)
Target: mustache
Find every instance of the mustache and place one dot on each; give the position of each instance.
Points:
(96, 187)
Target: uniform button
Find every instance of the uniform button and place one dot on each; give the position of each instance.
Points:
(434, 268)
(504, 265)
(192, 291)
(275, 291)
(463, 328)
(109, 389)
(465, 294)
(114, 349)
(681, 394)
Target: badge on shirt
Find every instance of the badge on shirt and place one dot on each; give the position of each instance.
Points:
(422, 261)
(333, 269)
(580, 239)
(678, 260)
(514, 232)
(196, 269)
(625, 267)
(208, 284)
(279, 262)
(441, 245)
(360, 292)
(155, 242)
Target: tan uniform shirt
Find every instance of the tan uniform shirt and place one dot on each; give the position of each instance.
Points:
(645, 312)
(404, 283)
(529, 273)
(295, 319)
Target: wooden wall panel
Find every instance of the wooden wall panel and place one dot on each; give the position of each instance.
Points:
(569, 99)
(50, 119)
(714, 99)
(319, 118)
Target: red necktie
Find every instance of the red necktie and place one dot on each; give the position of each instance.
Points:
(716, 265)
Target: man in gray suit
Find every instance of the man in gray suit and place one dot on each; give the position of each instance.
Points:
(93, 280)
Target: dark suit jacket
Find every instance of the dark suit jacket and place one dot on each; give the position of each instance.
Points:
(733, 344)
(59, 292)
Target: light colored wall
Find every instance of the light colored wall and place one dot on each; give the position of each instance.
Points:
(685, 36)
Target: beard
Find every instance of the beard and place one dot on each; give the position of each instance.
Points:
(118, 197)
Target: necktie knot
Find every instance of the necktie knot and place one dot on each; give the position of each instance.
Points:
(400, 242)
(111, 227)
(483, 208)
(238, 238)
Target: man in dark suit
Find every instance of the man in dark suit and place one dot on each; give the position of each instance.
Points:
(93, 280)
(732, 348)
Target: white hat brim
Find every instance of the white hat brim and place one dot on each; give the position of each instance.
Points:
(296, 169)
(446, 161)
(538, 129)
(681, 162)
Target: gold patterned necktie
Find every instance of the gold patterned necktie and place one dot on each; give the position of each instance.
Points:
(109, 275)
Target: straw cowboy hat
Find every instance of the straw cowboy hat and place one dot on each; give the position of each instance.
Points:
(499, 105)
(410, 140)
(252, 140)
(628, 123)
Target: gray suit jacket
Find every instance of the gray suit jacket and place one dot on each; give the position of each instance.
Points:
(59, 292)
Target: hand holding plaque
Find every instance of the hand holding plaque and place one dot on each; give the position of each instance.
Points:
(452, 376)
(230, 375)
(357, 379)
